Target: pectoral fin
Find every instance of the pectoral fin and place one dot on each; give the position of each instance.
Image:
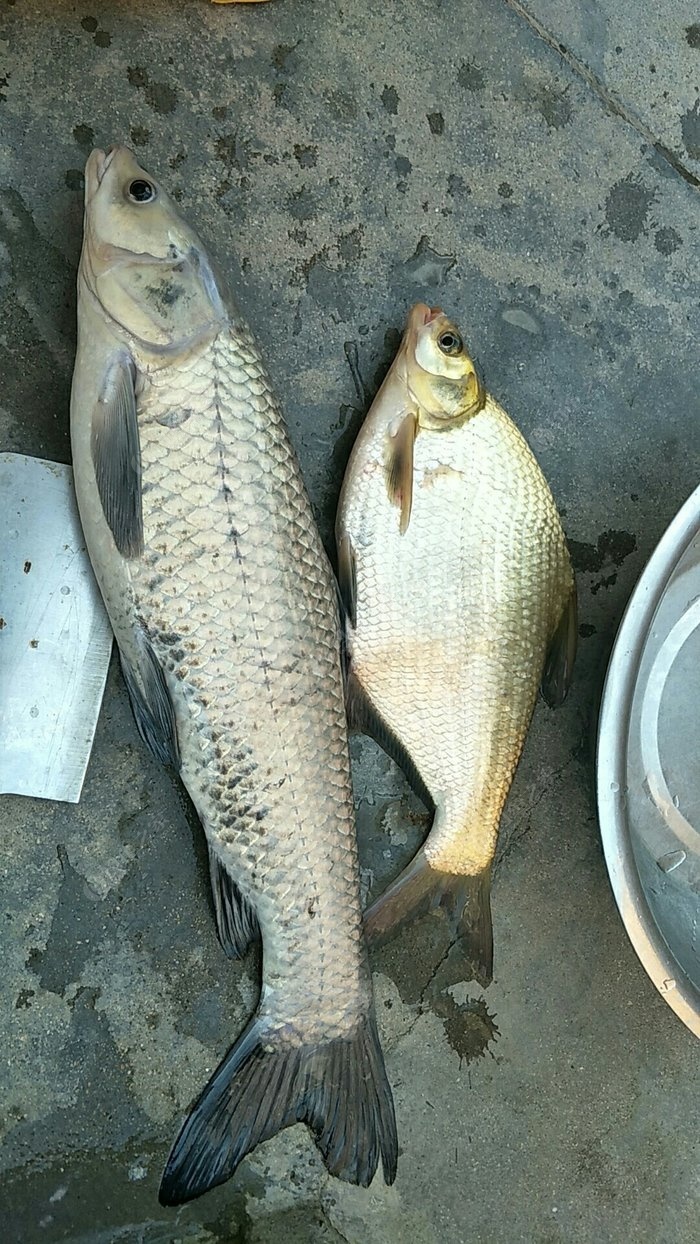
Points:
(116, 455)
(556, 678)
(347, 578)
(399, 468)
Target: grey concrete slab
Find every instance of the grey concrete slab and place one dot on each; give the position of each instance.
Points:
(644, 60)
(345, 161)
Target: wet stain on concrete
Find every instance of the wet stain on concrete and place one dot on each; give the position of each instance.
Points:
(390, 100)
(627, 208)
(158, 95)
(471, 76)
(140, 136)
(102, 38)
(667, 241)
(469, 1026)
(351, 421)
(75, 179)
(281, 55)
(611, 548)
(690, 130)
(692, 36)
(457, 186)
(306, 157)
(302, 204)
(84, 135)
(604, 583)
(68, 947)
(350, 247)
(426, 266)
(553, 104)
(436, 122)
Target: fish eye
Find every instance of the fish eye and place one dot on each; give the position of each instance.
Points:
(142, 191)
(450, 342)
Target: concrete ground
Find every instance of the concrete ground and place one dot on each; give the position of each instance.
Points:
(533, 167)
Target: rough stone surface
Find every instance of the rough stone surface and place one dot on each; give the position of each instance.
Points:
(644, 62)
(345, 161)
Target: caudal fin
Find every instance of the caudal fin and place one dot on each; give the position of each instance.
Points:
(340, 1089)
(464, 900)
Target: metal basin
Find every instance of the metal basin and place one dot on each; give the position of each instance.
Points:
(648, 766)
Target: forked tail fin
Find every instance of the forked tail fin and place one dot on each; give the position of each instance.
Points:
(464, 900)
(340, 1089)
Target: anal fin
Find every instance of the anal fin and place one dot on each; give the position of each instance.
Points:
(236, 921)
(347, 578)
(151, 703)
(559, 664)
(464, 901)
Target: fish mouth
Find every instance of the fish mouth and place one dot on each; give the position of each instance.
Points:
(420, 317)
(104, 159)
(97, 164)
(421, 314)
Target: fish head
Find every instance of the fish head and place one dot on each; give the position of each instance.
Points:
(142, 262)
(439, 373)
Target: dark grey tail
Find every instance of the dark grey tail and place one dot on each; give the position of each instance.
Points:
(465, 901)
(340, 1089)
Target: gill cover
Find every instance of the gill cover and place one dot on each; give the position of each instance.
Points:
(143, 263)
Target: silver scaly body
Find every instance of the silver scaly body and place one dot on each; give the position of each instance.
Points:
(226, 620)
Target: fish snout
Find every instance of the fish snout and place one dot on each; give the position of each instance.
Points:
(98, 163)
(421, 314)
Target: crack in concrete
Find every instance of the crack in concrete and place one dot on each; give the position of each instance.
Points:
(422, 1005)
(606, 96)
(523, 827)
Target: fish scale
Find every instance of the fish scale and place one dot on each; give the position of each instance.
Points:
(224, 609)
(184, 469)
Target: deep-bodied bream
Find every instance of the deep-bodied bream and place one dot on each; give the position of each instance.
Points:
(460, 599)
(225, 613)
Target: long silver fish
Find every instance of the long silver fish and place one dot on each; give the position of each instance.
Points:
(459, 594)
(224, 609)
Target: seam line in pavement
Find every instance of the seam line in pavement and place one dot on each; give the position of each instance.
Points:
(608, 98)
